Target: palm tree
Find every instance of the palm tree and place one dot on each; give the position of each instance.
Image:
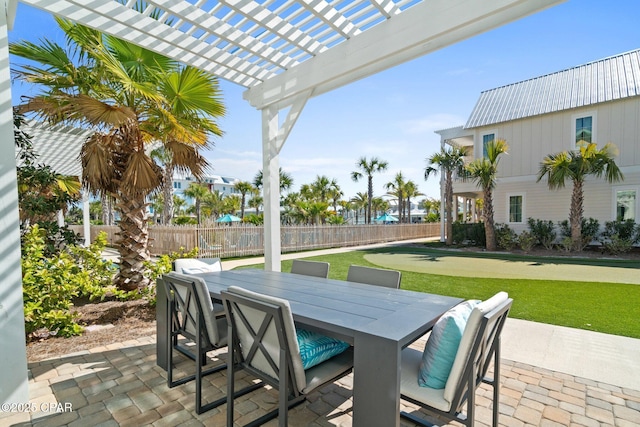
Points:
(130, 96)
(198, 193)
(286, 180)
(360, 201)
(178, 204)
(368, 168)
(447, 161)
(243, 187)
(231, 204)
(397, 188)
(212, 204)
(410, 190)
(256, 200)
(483, 172)
(379, 205)
(576, 165)
(163, 156)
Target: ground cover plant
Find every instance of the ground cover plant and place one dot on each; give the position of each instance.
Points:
(596, 306)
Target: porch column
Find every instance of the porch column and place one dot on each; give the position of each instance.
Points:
(13, 356)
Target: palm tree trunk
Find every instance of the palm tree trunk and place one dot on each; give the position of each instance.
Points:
(448, 194)
(575, 215)
(133, 248)
(167, 195)
(369, 199)
(489, 226)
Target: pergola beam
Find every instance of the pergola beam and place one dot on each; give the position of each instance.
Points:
(429, 26)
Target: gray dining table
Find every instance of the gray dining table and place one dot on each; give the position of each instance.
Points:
(379, 322)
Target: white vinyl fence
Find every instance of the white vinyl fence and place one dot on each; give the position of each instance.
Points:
(244, 239)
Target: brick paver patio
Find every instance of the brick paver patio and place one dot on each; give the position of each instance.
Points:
(120, 385)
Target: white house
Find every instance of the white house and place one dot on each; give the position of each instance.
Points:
(223, 184)
(597, 102)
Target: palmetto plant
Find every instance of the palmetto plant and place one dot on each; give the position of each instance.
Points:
(575, 166)
(131, 97)
(198, 193)
(484, 173)
(447, 161)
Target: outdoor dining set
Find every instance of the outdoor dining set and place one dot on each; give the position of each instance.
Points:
(300, 331)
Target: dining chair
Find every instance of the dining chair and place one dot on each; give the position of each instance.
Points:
(264, 343)
(479, 347)
(192, 321)
(310, 268)
(197, 265)
(200, 265)
(374, 276)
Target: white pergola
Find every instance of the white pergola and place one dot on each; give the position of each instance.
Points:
(282, 51)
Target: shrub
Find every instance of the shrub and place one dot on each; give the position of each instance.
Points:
(619, 236)
(163, 265)
(52, 282)
(506, 237)
(543, 232)
(468, 233)
(526, 241)
(590, 229)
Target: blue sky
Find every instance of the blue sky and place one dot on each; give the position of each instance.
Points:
(393, 115)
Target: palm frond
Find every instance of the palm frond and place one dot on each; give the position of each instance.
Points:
(141, 175)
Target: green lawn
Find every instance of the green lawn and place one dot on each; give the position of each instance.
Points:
(611, 308)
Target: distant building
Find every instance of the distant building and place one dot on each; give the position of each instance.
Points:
(224, 184)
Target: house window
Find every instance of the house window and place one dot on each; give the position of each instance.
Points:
(584, 129)
(177, 185)
(516, 205)
(626, 205)
(485, 140)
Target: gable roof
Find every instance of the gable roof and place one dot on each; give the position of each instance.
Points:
(604, 80)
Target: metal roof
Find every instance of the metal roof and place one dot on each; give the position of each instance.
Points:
(604, 80)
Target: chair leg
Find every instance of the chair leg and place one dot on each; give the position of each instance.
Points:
(496, 383)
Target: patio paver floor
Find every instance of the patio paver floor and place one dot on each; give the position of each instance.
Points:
(120, 385)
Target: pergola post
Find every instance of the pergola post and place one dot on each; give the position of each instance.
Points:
(271, 188)
(273, 139)
(13, 356)
(86, 218)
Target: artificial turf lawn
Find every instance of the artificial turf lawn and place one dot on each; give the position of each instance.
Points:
(611, 308)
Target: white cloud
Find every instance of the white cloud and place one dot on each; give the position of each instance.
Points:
(431, 123)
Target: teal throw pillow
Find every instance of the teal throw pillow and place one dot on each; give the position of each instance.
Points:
(315, 348)
(442, 346)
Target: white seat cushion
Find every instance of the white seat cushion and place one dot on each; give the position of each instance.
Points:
(195, 266)
(409, 387)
